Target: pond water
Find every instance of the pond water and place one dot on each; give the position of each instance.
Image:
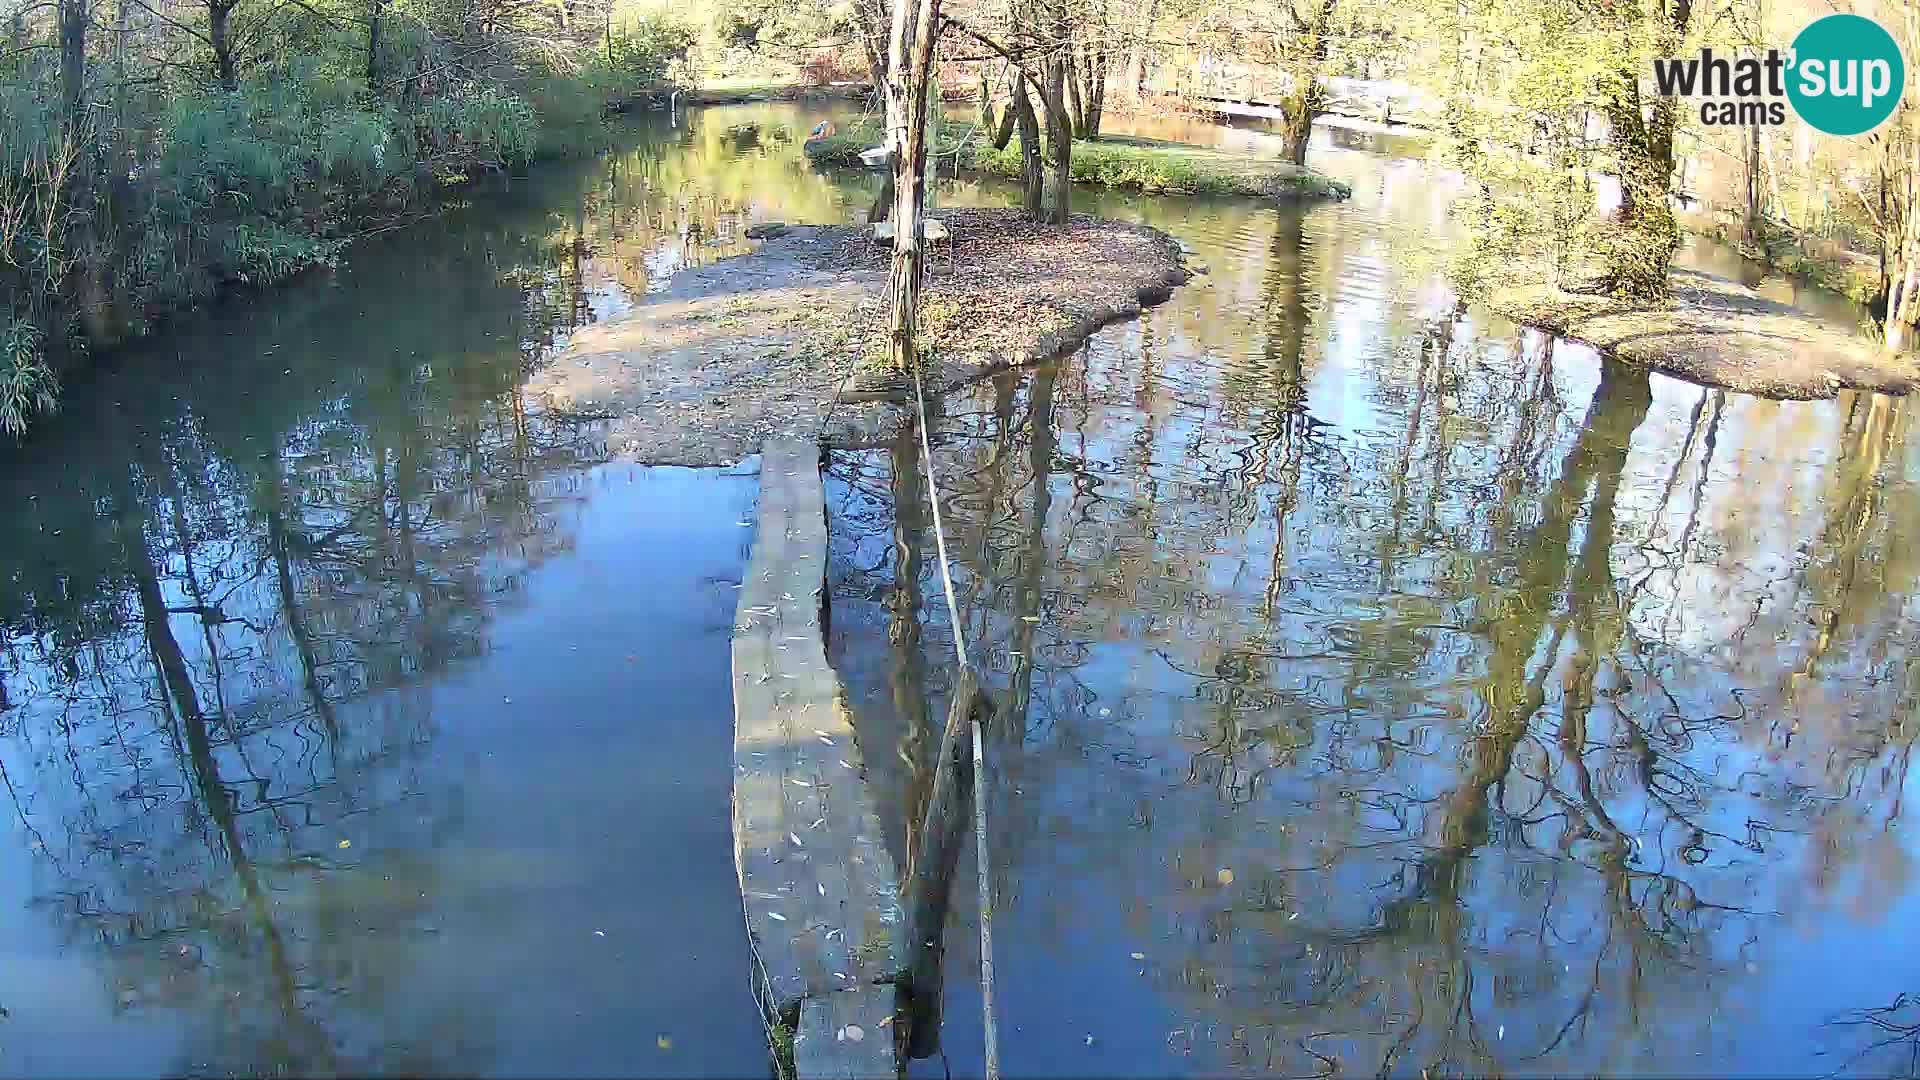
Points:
(1384, 689)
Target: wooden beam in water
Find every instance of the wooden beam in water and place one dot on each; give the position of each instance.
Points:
(819, 890)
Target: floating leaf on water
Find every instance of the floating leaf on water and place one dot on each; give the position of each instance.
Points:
(822, 888)
(663, 1042)
(795, 837)
(853, 1033)
(1226, 876)
(776, 916)
(886, 1020)
(798, 783)
(344, 844)
(1139, 956)
(599, 933)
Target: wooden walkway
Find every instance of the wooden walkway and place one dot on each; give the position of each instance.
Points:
(819, 888)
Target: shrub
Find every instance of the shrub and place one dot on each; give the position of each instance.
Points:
(486, 120)
(27, 385)
(644, 45)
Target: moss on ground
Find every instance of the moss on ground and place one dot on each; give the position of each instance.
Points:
(1123, 162)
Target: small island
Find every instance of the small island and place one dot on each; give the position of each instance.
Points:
(1715, 332)
(765, 344)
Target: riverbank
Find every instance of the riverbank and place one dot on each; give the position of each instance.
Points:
(744, 93)
(1718, 333)
(1824, 264)
(762, 345)
(1120, 162)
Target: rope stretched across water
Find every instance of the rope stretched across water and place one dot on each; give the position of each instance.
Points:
(979, 751)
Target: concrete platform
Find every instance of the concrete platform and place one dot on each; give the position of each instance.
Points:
(820, 891)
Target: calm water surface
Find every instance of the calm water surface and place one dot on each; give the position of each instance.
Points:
(1388, 690)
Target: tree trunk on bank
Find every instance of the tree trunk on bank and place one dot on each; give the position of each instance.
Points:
(1059, 138)
(989, 121)
(1076, 105)
(1298, 110)
(870, 18)
(1899, 294)
(1647, 236)
(1087, 82)
(1753, 237)
(1003, 129)
(1097, 108)
(909, 73)
(1137, 62)
(73, 63)
(1638, 255)
(1032, 182)
(1903, 287)
(373, 43)
(219, 35)
(1306, 99)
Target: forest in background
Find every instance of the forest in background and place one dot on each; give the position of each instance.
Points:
(155, 153)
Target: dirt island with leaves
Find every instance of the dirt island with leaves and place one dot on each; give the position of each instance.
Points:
(771, 343)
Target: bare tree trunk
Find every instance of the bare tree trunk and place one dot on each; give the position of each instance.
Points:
(1033, 185)
(988, 121)
(1141, 48)
(1903, 292)
(1059, 134)
(1097, 105)
(870, 17)
(219, 35)
(1756, 242)
(73, 62)
(1900, 243)
(1076, 104)
(1003, 130)
(909, 75)
(373, 42)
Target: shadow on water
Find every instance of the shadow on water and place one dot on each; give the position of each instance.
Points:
(1396, 692)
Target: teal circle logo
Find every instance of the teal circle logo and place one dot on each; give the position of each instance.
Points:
(1846, 75)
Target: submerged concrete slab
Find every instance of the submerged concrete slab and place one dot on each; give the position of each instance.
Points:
(820, 890)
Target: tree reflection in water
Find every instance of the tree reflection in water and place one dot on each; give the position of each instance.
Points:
(1530, 703)
(223, 606)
